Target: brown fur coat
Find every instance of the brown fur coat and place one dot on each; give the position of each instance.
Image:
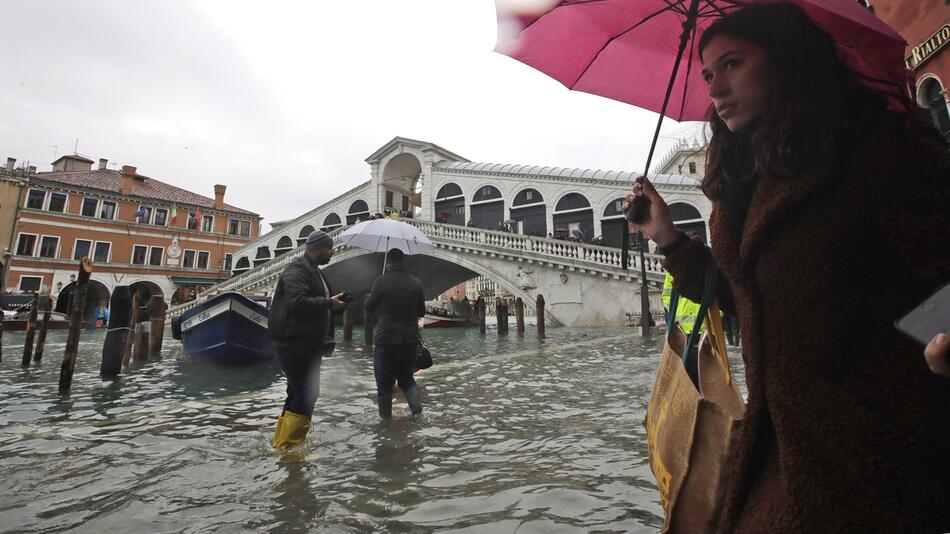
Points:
(846, 429)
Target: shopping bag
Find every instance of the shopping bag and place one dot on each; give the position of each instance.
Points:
(691, 421)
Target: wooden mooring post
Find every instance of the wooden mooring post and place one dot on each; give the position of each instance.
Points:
(141, 334)
(480, 311)
(156, 325)
(75, 325)
(30, 331)
(130, 338)
(539, 315)
(519, 316)
(117, 336)
(347, 324)
(501, 316)
(44, 326)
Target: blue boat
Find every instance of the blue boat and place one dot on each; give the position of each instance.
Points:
(227, 329)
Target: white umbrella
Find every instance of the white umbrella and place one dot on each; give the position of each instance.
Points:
(382, 235)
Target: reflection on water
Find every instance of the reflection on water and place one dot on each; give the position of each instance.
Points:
(518, 434)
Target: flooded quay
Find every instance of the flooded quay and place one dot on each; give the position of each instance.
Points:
(518, 435)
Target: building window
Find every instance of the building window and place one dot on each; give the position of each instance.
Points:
(144, 214)
(192, 221)
(107, 211)
(932, 97)
(228, 258)
(246, 228)
(203, 258)
(233, 226)
(161, 216)
(155, 255)
(57, 202)
(30, 283)
(389, 199)
(81, 249)
(49, 245)
(188, 259)
(35, 199)
(101, 252)
(25, 244)
(692, 167)
(405, 203)
(139, 253)
(207, 223)
(89, 206)
(528, 195)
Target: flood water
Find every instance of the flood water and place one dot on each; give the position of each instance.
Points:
(518, 435)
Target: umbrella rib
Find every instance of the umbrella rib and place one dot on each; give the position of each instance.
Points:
(689, 66)
(714, 10)
(562, 4)
(621, 34)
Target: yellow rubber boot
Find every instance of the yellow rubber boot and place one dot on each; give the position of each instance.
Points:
(291, 431)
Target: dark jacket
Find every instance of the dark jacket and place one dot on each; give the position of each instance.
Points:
(397, 300)
(301, 312)
(846, 428)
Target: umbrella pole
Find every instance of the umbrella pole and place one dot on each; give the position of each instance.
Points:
(386, 255)
(688, 24)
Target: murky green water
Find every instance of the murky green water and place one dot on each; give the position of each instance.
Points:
(518, 435)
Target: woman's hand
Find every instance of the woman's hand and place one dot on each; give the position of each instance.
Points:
(937, 352)
(658, 225)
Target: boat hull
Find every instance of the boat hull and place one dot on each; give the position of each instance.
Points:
(435, 321)
(229, 329)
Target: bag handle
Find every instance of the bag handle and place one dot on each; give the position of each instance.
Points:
(717, 332)
(709, 293)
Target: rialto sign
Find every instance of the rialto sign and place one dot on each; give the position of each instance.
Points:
(925, 50)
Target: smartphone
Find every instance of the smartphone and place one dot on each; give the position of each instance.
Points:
(930, 318)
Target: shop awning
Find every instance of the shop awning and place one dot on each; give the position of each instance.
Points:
(187, 281)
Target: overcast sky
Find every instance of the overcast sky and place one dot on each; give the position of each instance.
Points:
(283, 100)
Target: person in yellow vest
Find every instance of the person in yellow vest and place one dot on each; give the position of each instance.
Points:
(686, 310)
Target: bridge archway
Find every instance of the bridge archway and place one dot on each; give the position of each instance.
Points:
(449, 205)
(530, 213)
(613, 223)
(931, 96)
(304, 233)
(284, 245)
(330, 222)
(573, 213)
(400, 183)
(359, 209)
(488, 208)
(688, 219)
(145, 290)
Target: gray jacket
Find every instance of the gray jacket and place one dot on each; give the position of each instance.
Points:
(398, 302)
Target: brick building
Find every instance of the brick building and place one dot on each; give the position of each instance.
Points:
(138, 231)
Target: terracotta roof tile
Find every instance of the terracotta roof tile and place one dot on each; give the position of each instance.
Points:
(150, 188)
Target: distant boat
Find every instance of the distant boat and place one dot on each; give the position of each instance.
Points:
(442, 314)
(227, 329)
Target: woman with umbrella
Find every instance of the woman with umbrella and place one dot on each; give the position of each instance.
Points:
(827, 203)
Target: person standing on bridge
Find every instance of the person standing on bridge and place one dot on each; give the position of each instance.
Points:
(828, 203)
(301, 326)
(397, 297)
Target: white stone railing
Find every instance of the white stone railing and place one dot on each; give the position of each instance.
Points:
(573, 254)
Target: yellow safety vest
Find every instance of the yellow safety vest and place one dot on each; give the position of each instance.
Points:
(686, 310)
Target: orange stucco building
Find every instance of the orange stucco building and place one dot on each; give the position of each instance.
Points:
(138, 231)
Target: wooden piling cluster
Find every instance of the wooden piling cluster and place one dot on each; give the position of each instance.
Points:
(30, 331)
(44, 326)
(117, 336)
(75, 323)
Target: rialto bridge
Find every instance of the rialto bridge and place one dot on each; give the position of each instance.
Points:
(496, 221)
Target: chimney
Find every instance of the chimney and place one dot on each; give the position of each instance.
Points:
(31, 169)
(102, 163)
(10, 163)
(219, 196)
(128, 175)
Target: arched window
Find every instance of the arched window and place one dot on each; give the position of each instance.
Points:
(331, 221)
(932, 97)
(528, 196)
(284, 244)
(358, 210)
(304, 234)
(448, 191)
(242, 264)
(486, 192)
(572, 201)
(615, 208)
(688, 219)
(263, 255)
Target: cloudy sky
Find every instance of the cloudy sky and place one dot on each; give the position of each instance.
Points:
(283, 100)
